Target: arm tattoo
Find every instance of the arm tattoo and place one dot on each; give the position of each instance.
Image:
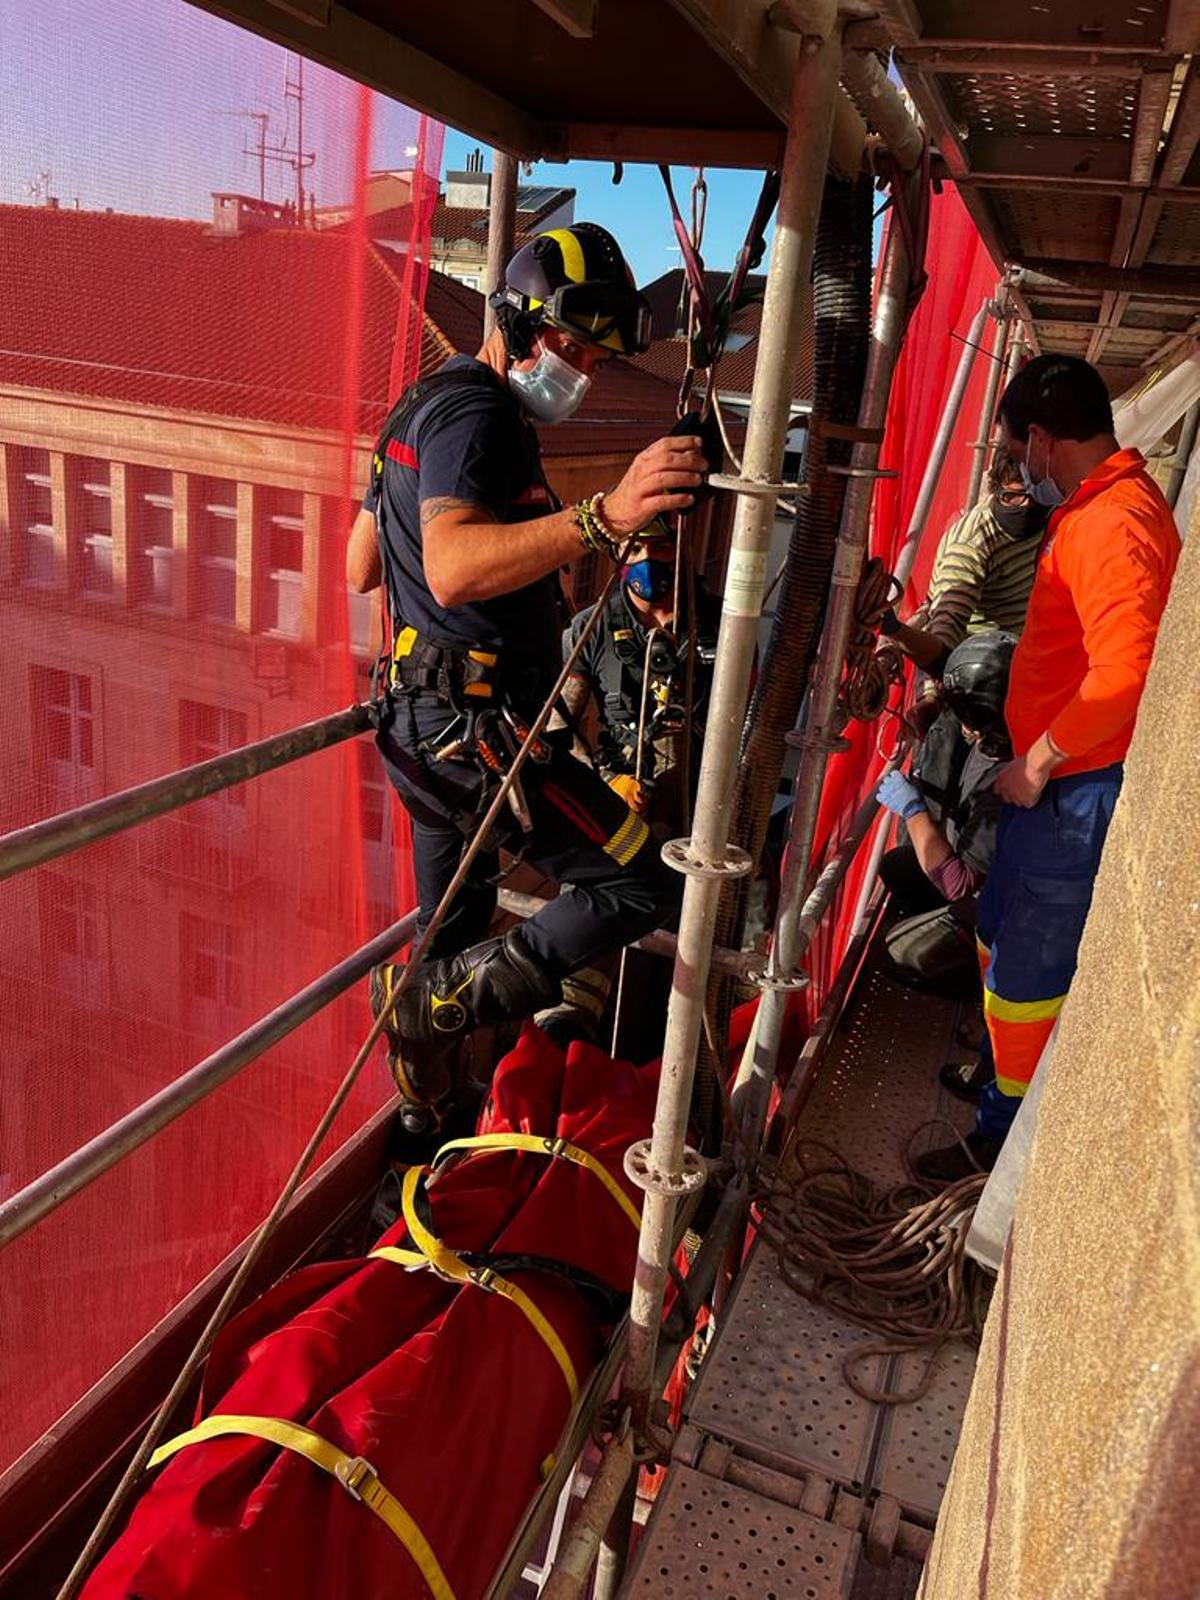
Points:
(432, 509)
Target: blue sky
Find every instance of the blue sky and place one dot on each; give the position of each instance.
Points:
(636, 209)
(135, 104)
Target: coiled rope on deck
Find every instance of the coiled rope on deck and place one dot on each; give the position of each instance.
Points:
(891, 1259)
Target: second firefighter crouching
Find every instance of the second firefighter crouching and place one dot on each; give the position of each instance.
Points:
(634, 672)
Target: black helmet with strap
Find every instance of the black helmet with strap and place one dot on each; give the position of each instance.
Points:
(975, 680)
(577, 280)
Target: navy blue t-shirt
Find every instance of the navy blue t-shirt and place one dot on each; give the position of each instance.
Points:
(469, 441)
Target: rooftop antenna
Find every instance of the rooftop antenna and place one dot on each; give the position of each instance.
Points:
(298, 159)
(259, 149)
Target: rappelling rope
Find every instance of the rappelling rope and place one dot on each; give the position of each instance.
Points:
(639, 762)
(892, 1260)
(870, 673)
(266, 1231)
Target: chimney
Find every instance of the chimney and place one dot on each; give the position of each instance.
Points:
(470, 189)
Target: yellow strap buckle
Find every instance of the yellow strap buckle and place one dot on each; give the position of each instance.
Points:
(353, 1471)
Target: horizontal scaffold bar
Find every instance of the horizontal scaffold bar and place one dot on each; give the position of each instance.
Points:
(71, 830)
(83, 1166)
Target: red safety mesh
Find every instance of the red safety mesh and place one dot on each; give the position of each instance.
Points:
(196, 346)
(961, 275)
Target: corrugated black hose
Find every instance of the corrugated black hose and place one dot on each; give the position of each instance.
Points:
(842, 321)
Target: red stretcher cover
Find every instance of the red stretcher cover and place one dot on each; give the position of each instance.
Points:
(448, 1391)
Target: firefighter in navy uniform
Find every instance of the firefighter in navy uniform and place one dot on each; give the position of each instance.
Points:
(634, 668)
(463, 531)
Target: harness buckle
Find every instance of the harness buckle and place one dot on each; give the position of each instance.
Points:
(557, 1147)
(483, 1278)
(353, 1472)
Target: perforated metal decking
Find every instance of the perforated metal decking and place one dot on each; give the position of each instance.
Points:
(778, 1457)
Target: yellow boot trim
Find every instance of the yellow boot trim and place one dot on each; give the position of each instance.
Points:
(448, 1264)
(560, 1149)
(357, 1476)
(628, 840)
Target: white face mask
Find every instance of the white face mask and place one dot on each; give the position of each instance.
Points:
(1042, 491)
(551, 390)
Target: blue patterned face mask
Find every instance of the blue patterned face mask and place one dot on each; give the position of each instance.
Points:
(650, 580)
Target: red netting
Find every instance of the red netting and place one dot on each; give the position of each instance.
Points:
(196, 346)
(961, 275)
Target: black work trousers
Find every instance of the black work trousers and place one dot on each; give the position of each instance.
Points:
(583, 836)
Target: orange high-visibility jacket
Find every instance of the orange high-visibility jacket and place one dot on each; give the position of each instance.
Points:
(1097, 600)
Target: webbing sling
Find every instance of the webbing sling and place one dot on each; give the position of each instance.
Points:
(448, 1264)
(560, 1149)
(356, 1475)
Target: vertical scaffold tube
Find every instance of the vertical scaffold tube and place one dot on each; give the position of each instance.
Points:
(502, 228)
(981, 446)
(661, 1168)
(760, 1058)
(935, 466)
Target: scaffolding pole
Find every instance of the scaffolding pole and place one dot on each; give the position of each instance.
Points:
(936, 464)
(502, 229)
(663, 1166)
(71, 830)
(121, 1138)
(987, 412)
(761, 1055)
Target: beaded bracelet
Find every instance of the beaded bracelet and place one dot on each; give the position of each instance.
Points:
(594, 532)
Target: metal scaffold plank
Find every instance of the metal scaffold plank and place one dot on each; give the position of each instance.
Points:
(772, 1384)
(919, 1439)
(707, 1538)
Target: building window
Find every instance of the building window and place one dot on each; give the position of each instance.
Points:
(35, 517)
(282, 512)
(210, 973)
(216, 549)
(63, 709)
(206, 731)
(72, 938)
(93, 480)
(151, 500)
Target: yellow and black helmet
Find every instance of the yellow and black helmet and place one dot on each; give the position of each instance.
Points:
(575, 279)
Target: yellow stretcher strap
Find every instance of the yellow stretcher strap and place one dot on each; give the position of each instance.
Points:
(560, 1149)
(448, 1264)
(357, 1476)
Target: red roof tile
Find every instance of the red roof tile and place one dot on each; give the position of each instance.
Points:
(163, 313)
(667, 358)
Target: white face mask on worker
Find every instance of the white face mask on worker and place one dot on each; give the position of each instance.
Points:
(551, 390)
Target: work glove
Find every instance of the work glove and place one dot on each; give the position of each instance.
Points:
(900, 796)
(631, 791)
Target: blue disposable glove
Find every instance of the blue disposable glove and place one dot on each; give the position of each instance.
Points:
(900, 796)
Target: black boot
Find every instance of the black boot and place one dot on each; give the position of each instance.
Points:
(964, 1079)
(492, 982)
(952, 1162)
(425, 1076)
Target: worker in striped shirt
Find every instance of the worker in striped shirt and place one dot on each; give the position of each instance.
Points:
(981, 580)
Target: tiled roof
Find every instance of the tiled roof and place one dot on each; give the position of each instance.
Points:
(452, 223)
(163, 313)
(667, 358)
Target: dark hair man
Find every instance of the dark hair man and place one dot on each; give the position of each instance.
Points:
(1077, 676)
(462, 528)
